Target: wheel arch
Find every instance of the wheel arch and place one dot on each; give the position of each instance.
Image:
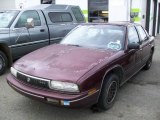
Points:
(118, 70)
(6, 50)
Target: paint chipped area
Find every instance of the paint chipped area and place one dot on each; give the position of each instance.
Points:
(61, 62)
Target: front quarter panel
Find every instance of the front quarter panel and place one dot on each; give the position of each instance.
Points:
(93, 79)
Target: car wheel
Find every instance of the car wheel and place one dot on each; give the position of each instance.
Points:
(3, 62)
(108, 92)
(149, 62)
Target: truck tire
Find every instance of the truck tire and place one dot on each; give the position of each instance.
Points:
(108, 92)
(3, 62)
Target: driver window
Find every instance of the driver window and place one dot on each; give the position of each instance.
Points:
(142, 33)
(28, 14)
(132, 35)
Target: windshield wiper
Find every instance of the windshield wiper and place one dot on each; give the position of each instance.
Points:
(73, 45)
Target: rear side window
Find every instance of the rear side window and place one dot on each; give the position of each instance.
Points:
(60, 17)
(77, 13)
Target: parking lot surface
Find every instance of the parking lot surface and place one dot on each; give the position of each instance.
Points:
(138, 99)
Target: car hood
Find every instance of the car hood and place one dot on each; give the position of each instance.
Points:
(61, 62)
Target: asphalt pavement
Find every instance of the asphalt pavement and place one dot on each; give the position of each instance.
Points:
(138, 99)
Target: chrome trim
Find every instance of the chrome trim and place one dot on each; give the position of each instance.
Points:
(84, 97)
(26, 92)
(49, 82)
(28, 43)
(52, 39)
(42, 79)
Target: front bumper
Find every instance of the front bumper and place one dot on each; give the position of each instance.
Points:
(59, 99)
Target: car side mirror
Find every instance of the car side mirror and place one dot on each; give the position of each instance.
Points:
(30, 23)
(133, 46)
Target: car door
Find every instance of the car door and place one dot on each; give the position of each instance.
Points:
(145, 44)
(26, 40)
(134, 56)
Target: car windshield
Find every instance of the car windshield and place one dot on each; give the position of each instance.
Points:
(97, 36)
(6, 17)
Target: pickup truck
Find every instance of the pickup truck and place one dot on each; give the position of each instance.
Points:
(23, 31)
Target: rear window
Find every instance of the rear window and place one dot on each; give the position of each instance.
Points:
(77, 13)
(60, 17)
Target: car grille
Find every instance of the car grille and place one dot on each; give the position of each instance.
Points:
(33, 81)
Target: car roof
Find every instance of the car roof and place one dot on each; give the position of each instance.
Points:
(119, 23)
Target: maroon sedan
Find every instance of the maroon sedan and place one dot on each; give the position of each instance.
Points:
(86, 68)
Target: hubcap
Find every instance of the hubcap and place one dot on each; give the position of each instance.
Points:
(111, 92)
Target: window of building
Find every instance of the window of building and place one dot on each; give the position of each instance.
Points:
(98, 10)
(28, 14)
(60, 17)
(77, 13)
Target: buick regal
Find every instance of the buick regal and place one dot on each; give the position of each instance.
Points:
(87, 67)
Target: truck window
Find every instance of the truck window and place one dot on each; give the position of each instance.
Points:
(60, 17)
(28, 14)
(77, 13)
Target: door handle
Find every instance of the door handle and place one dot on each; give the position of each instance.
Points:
(42, 30)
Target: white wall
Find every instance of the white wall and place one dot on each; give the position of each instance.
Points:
(26, 3)
(7, 4)
(143, 12)
(119, 10)
(151, 18)
(82, 3)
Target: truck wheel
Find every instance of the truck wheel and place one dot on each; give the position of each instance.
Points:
(108, 92)
(3, 62)
(149, 62)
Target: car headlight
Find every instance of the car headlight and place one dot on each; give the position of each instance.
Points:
(64, 86)
(13, 71)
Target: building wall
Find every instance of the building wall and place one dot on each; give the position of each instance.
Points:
(119, 10)
(7, 4)
(26, 3)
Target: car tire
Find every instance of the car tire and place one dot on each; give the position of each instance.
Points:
(108, 92)
(149, 62)
(3, 62)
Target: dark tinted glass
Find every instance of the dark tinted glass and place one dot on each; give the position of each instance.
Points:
(60, 17)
